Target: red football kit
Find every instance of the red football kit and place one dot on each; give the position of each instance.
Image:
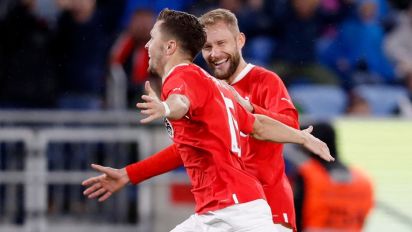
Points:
(207, 139)
(264, 160)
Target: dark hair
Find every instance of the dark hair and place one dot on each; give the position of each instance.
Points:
(185, 28)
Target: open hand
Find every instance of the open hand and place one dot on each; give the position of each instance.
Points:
(103, 186)
(316, 145)
(152, 107)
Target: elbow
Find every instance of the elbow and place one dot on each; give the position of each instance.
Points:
(294, 120)
(179, 112)
(258, 127)
(295, 124)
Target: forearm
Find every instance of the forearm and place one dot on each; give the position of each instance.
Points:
(288, 116)
(178, 106)
(164, 161)
(269, 129)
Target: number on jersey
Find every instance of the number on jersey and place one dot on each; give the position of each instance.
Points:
(233, 126)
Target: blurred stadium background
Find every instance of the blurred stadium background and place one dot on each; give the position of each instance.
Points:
(72, 70)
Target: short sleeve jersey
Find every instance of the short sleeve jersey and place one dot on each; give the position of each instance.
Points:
(262, 159)
(207, 138)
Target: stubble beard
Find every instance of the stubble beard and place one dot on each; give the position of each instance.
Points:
(234, 61)
(152, 71)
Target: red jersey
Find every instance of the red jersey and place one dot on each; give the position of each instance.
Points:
(264, 160)
(207, 139)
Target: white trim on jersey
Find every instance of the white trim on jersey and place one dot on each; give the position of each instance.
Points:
(243, 73)
(172, 69)
(285, 217)
(235, 198)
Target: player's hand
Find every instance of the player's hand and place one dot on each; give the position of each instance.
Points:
(150, 91)
(315, 145)
(103, 186)
(152, 107)
(245, 103)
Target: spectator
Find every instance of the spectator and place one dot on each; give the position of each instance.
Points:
(398, 44)
(255, 22)
(356, 53)
(26, 74)
(329, 196)
(298, 24)
(154, 5)
(82, 43)
(358, 106)
(129, 52)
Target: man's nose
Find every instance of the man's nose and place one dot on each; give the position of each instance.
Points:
(214, 52)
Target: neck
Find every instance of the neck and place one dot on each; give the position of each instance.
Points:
(172, 63)
(240, 67)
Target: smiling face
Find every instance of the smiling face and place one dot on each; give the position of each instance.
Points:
(156, 49)
(222, 50)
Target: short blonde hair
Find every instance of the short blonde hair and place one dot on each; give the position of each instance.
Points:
(220, 15)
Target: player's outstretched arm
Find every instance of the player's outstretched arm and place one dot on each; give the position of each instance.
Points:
(163, 161)
(175, 106)
(103, 186)
(112, 180)
(265, 128)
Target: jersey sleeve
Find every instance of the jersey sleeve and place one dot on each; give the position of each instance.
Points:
(276, 102)
(164, 161)
(246, 119)
(185, 83)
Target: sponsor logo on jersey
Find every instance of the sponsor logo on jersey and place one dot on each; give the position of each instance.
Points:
(169, 127)
(177, 89)
(285, 99)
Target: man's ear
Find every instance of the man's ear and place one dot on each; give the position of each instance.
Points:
(241, 40)
(171, 47)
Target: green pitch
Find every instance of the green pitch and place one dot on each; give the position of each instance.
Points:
(383, 148)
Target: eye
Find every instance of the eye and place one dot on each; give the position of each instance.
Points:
(207, 47)
(221, 43)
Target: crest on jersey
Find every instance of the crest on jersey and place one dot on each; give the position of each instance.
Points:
(169, 127)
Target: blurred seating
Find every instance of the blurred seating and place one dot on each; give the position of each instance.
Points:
(319, 101)
(383, 99)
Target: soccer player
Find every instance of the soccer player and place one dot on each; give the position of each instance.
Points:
(262, 92)
(204, 121)
(266, 95)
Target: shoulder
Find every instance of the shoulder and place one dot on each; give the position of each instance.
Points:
(265, 76)
(185, 74)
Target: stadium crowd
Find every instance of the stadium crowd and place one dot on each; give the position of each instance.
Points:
(58, 54)
(336, 57)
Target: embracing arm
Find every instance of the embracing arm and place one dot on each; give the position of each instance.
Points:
(265, 128)
(287, 116)
(276, 102)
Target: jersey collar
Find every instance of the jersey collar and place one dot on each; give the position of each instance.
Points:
(243, 73)
(172, 69)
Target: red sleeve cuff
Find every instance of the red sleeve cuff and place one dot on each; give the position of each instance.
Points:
(288, 116)
(164, 161)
